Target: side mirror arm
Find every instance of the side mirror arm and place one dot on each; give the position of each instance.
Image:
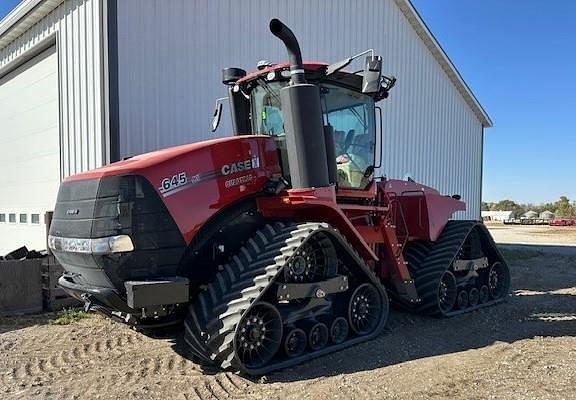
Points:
(217, 115)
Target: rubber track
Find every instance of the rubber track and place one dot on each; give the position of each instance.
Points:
(428, 261)
(213, 317)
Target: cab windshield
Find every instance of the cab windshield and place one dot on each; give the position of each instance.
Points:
(349, 113)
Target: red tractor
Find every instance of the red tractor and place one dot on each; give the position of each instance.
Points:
(278, 244)
(562, 222)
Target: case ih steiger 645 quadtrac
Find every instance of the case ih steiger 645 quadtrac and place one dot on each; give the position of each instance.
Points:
(278, 244)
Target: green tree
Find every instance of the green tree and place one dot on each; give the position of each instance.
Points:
(509, 205)
(544, 207)
(565, 209)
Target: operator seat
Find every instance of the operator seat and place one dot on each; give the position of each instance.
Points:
(362, 141)
(339, 137)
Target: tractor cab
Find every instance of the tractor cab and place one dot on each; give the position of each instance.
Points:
(348, 111)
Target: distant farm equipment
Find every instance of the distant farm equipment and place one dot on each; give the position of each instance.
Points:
(563, 222)
(537, 221)
(526, 221)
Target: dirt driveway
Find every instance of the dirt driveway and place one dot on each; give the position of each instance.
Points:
(523, 349)
(543, 234)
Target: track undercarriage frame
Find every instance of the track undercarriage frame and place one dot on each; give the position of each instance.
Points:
(326, 312)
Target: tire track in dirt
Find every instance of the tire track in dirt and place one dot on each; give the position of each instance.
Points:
(7, 345)
(222, 386)
(145, 361)
(161, 365)
(195, 395)
(173, 370)
(24, 372)
(195, 386)
(139, 369)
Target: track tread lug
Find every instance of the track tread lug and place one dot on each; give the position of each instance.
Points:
(213, 319)
(428, 261)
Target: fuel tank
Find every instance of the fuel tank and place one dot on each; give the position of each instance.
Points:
(133, 220)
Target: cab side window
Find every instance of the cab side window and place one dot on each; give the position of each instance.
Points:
(354, 142)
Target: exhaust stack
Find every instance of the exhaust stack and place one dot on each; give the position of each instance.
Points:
(284, 33)
(302, 119)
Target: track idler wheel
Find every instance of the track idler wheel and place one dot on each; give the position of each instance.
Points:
(365, 309)
(258, 336)
(295, 342)
(339, 330)
(315, 260)
(498, 280)
(473, 297)
(318, 336)
(447, 292)
(462, 299)
(483, 294)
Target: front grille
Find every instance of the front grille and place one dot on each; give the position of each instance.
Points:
(110, 206)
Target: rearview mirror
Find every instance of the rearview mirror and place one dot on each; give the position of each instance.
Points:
(337, 66)
(217, 116)
(372, 74)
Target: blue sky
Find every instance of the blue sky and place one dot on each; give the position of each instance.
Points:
(6, 6)
(519, 58)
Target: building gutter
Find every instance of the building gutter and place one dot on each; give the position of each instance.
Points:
(24, 16)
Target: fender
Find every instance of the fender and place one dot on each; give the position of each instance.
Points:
(318, 205)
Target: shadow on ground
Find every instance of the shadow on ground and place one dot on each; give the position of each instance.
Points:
(542, 303)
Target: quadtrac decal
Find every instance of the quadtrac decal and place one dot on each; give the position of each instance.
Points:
(180, 181)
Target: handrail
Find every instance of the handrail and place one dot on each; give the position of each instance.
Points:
(395, 208)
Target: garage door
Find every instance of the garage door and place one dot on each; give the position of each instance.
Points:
(29, 151)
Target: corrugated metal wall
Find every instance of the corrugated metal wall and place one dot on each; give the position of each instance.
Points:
(77, 26)
(171, 55)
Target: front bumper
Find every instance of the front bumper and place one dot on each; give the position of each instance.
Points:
(99, 296)
(145, 299)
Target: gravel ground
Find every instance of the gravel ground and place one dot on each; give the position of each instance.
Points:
(535, 234)
(522, 349)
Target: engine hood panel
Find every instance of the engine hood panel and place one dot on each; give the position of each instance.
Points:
(197, 180)
(145, 161)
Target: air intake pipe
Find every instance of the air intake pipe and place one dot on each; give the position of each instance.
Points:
(303, 122)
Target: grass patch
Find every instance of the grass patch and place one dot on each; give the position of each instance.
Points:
(68, 316)
(519, 254)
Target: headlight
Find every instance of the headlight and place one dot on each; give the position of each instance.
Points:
(107, 245)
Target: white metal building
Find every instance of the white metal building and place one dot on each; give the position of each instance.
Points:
(530, 215)
(498, 216)
(86, 82)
